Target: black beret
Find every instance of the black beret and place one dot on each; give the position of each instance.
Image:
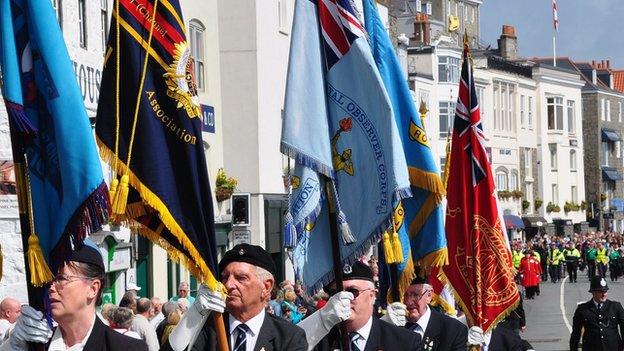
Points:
(87, 253)
(419, 278)
(357, 270)
(252, 254)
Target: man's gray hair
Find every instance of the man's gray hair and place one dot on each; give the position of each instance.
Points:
(263, 274)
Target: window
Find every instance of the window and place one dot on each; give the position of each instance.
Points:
(555, 113)
(82, 23)
(58, 8)
(528, 193)
(104, 22)
(522, 112)
(504, 120)
(553, 157)
(481, 99)
(513, 181)
(501, 180)
(442, 164)
(573, 161)
(419, 6)
(618, 149)
(555, 194)
(196, 34)
(605, 153)
(608, 111)
(571, 117)
(602, 109)
(282, 8)
(530, 113)
(447, 112)
(429, 8)
(574, 194)
(423, 96)
(619, 111)
(528, 173)
(448, 69)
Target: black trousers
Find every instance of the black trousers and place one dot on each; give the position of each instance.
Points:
(572, 270)
(614, 271)
(591, 268)
(554, 272)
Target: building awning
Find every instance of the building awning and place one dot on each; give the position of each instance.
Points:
(513, 222)
(534, 221)
(612, 174)
(610, 135)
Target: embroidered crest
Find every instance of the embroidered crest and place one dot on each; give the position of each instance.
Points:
(180, 83)
(342, 161)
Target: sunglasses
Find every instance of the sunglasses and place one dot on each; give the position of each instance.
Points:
(356, 292)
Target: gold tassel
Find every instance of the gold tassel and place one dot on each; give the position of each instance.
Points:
(113, 188)
(388, 252)
(397, 248)
(121, 196)
(39, 271)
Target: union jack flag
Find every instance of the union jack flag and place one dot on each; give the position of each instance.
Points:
(468, 123)
(340, 26)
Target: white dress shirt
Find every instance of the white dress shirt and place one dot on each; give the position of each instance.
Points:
(254, 325)
(422, 323)
(58, 344)
(364, 333)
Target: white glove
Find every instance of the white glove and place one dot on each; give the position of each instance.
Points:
(337, 309)
(396, 314)
(208, 300)
(31, 326)
(477, 337)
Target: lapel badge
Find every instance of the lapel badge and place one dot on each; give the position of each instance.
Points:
(241, 252)
(347, 269)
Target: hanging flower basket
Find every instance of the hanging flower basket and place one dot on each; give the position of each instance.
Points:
(223, 194)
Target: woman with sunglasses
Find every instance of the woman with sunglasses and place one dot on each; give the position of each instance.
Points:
(74, 294)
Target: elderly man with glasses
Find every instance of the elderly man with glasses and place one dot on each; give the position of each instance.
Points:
(183, 292)
(354, 305)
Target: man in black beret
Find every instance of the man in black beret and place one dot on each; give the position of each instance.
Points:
(247, 274)
(434, 330)
(600, 319)
(354, 305)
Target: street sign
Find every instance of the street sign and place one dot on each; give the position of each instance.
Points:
(208, 118)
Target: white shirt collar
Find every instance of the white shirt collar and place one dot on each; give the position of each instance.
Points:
(365, 330)
(58, 344)
(423, 321)
(254, 323)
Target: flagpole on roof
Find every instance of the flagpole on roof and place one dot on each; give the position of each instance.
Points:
(555, 31)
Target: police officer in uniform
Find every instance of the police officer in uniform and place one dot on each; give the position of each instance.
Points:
(602, 321)
(572, 256)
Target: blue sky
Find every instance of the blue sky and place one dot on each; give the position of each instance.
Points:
(588, 29)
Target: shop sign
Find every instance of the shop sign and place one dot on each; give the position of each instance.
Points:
(121, 260)
(241, 237)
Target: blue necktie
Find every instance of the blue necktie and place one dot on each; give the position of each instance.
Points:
(354, 337)
(241, 339)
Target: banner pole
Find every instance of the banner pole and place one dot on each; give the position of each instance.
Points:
(335, 237)
(35, 294)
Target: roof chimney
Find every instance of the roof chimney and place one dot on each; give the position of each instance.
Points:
(508, 43)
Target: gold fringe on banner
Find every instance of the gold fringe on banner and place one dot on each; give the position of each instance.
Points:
(195, 263)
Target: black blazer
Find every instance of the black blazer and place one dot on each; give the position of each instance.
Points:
(506, 339)
(275, 334)
(601, 328)
(383, 336)
(104, 338)
(447, 333)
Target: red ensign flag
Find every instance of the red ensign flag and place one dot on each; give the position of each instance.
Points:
(480, 265)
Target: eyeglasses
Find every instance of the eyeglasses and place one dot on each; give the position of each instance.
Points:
(356, 292)
(63, 279)
(413, 295)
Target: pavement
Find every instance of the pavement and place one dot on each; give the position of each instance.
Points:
(549, 316)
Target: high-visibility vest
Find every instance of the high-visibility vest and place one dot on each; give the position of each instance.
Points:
(601, 256)
(554, 256)
(517, 257)
(572, 255)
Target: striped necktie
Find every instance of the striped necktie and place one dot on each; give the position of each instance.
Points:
(354, 338)
(241, 339)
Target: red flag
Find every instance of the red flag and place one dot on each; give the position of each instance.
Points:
(480, 264)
